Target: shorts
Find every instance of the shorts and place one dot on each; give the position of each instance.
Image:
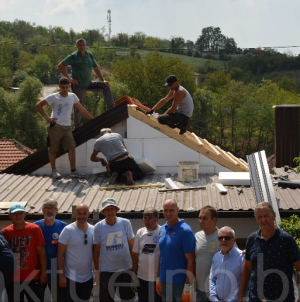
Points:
(60, 135)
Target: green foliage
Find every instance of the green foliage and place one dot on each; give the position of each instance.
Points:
(296, 161)
(292, 226)
(41, 65)
(144, 78)
(19, 118)
(5, 75)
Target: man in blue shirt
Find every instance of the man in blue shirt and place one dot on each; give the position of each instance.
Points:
(51, 229)
(271, 255)
(82, 63)
(177, 256)
(226, 268)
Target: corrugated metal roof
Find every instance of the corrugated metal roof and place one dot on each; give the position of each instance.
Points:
(190, 196)
(68, 192)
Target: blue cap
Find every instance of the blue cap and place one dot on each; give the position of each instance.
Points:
(108, 202)
(17, 207)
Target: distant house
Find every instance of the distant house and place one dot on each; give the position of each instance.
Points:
(11, 151)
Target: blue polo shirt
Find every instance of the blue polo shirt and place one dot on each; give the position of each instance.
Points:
(174, 243)
(272, 266)
(51, 235)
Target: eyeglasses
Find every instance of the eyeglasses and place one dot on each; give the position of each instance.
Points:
(227, 238)
(85, 239)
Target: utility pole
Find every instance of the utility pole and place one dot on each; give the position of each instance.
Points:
(109, 23)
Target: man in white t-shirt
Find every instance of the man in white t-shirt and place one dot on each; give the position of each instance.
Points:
(113, 242)
(206, 247)
(75, 257)
(145, 257)
(59, 130)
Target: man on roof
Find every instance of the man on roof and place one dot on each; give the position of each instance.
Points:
(179, 114)
(82, 63)
(112, 146)
(59, 129)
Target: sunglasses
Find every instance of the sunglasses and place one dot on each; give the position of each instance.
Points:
(85, 239)
(227, 238)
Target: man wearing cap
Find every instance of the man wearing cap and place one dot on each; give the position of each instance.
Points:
(112, 146)
(146, 257)
(82, 63)
(177, 256)
(75, 257)
(51, 229)
(27, 242)
(179, 114)
(113, 242)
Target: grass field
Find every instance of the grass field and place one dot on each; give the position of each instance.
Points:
(195, 63)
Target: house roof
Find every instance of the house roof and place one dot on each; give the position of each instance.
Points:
(133, 200)
(11, 151)
(81, 135)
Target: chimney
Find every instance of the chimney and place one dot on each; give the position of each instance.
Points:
(286, 134)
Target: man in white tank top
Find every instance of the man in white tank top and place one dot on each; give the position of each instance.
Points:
(178, 115)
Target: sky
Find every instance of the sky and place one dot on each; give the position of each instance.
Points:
(251, 23)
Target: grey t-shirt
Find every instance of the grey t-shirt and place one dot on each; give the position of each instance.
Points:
(78, 256)
(186, 106)
(114, 249)
(111, 145)
(206, 247)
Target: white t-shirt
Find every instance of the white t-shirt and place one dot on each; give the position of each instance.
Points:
(206, 247)
(78, 255)
(62, 107)
(146, 245)
(114, 249)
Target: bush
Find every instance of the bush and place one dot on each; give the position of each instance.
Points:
(292, 226)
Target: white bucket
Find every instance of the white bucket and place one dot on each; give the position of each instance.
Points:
(188, 170)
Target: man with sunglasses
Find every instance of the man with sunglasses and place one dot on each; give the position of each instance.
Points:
(51, 229)
(179, 114)
(75, 257)
(226, 268)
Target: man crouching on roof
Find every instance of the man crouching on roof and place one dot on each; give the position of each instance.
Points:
(112, 146)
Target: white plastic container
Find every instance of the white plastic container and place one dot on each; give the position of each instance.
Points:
(188, 170)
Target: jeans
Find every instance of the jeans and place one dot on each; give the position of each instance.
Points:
(96, 87)
(173, 120)
(77, 291)
(172, 292)
(33, 290)
(147, 291)
(202, 296)
(110, 281)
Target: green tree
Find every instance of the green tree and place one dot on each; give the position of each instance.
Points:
(41, 65)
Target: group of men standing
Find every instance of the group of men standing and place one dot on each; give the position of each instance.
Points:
(160, 263)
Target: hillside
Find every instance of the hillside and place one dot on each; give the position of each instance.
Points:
(195, 63)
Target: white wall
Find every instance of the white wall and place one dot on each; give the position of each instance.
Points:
(141, 141)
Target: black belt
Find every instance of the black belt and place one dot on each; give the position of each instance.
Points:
(118, 157)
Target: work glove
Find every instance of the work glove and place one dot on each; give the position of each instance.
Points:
(187, 294)
(149, 112)
(158, 286)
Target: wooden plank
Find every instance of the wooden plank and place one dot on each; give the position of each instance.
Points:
(225, 160)
(7, 204)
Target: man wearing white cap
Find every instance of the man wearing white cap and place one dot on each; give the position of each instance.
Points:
(27, 242)
(113, 242)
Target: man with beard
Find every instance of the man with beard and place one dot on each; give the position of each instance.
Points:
(51, 229)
